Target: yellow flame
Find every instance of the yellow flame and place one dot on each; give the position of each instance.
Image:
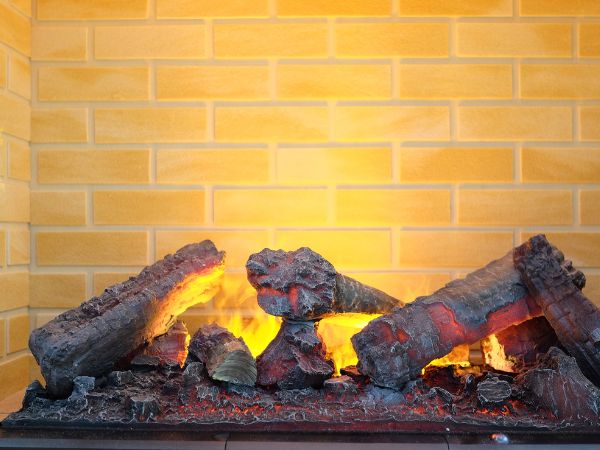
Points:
(495, 356)
(257, 331)
(196, 289)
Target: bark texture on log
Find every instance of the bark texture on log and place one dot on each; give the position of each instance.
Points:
(394, 348)
(575, 319)
(302, 285)
(90, 339)
(226, 357)
(295, 359)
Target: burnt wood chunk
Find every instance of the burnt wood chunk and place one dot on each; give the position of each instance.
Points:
(302, 285)
(518, 346)
(557, 384)
(295, 359)
(555, 286)
(226, 357)
(90, 339)
(493, 392)
(394, 348)
(171, 348)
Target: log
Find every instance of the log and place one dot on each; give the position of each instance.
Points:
(90, 339)
(226, 357)
(517, 347)
(302, 285)
(295, 359)
(171, 348)
(394, 348)
(574, 318)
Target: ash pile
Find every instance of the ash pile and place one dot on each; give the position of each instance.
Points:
(124, 360)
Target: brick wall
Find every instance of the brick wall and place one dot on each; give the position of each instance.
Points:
(409, 141)
(15, 173)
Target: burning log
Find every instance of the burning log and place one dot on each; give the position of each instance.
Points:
(171, 348)
(555, 285)
(90, 339)
(394, 348)
(302, 285)
(226, 357)
(295, 359)
(517, 347)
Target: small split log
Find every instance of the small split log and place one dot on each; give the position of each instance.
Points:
(171, 348)
(90, 339)
(575, 319)
(302, 285)
(394, 348)
(295, 359)
(517, 347)
(225, 357)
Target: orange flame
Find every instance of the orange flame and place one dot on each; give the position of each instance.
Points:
(495, 356)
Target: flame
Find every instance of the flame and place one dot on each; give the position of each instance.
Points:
(458, 356)
(495, 356)
(257, 331)
(195, 289)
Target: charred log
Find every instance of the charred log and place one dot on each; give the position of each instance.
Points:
(493, 392)
(394, 348)
(90, 339)
(575, 319)
(517, 347)
(302, 285)
(171, 348)
(226, 357)
(295, 359)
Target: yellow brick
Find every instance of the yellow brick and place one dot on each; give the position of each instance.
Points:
(58, 208)
(14, 290)
(581, 248)
(507, 123)
(592, 288)
(212, 82)
(2, 337)
(391, 39)
(560, 81)
(383, 123)
(385, 207)
(22, 5)
(271, 123)
(102, 280)
(270, 207)
(333, 8)
(455, 165)
(590, 207)
(104, 166)
(259, 40)
(238, 244)
(14, 202)
(455, 81)
(150, 42)
(425, 8)
(20, 76)
(589, 117)
(334, 165)
(115, 248)
(15, 30)
(15, 116)
(452, 248)
(403, 286)
(14, 375)
(3, 237)
(18, 332)
(559, 8)
(199, 9)
(59, 125)
(91, 9)
(59, 43)
(3, 156)
(514, 39)
(335, 81)
(19, 166)
(343, 248)
(148, 207)
(3, 69)
(56, 290)
(589, 39)
(515, 207)
(201, 166)
(561, 165)
(93, 83)
(150, 125)
(18, 251)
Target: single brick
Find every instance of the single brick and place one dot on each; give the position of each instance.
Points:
(560, 165)
(18, 250)
(14, 290)
(56, 290)
(59, 125)
(18, 332)
(91, 9)
(58, 208)
(590, 207)
(19, 160)
(151, 207)
(3, 237)
(96, 248)
(589, 118)
(589, 40)
(424, 8)
(15, 30)
(515, 207)
(199, 9)
(16, 116)
(3, 69)
(385, 207)
(14, 202)
(20, 76)
(333, 8)
(14, 375)
(2, 337)
(559, 8)
(568, 81)
(59, 43)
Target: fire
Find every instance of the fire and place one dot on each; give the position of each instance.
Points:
(494, 355)
(196, 288)
(257, 331)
